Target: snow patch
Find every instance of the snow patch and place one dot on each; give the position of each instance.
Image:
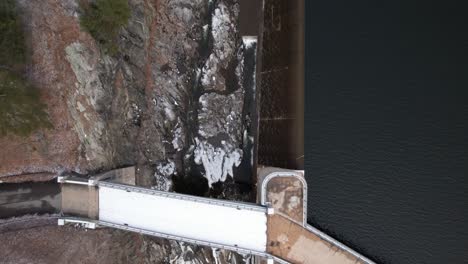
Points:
(163, 174)
(166, 169)
(179, 217)
(221, 28)
(223, 31)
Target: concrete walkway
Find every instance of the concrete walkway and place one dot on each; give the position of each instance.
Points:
(296, 244)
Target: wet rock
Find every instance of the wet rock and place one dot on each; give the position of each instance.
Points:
(221, 115)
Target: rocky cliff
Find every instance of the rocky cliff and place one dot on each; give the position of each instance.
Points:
(171, 96)
(172, 100)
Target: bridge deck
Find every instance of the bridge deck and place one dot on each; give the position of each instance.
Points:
(226, 223)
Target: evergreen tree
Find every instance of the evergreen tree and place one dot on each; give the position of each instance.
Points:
(12, 49)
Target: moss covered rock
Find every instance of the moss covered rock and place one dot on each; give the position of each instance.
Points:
(103, 19)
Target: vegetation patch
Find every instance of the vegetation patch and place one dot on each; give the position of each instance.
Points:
(103, 19)
(12, 49)
(21, 111)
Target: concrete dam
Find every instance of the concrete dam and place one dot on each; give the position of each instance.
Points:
(275, 230)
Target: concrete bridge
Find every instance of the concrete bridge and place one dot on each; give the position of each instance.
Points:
(275, 230)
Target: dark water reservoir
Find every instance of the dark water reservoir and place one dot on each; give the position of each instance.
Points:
(387, 128)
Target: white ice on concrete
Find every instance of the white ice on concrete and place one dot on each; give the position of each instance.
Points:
(189, 219)
(249, 41)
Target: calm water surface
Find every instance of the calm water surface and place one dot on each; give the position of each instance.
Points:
(387, 129)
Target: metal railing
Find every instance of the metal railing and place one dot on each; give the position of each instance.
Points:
(338, 244)
(185, 197)
(294, 174)
(98, 223)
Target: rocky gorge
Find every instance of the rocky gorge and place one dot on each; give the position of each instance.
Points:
(177, 100)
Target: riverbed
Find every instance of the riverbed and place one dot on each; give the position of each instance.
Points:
(18, 199)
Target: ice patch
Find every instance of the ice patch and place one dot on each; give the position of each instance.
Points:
(215, 252)
(218, 162)
(178, 140)
(249, 41)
